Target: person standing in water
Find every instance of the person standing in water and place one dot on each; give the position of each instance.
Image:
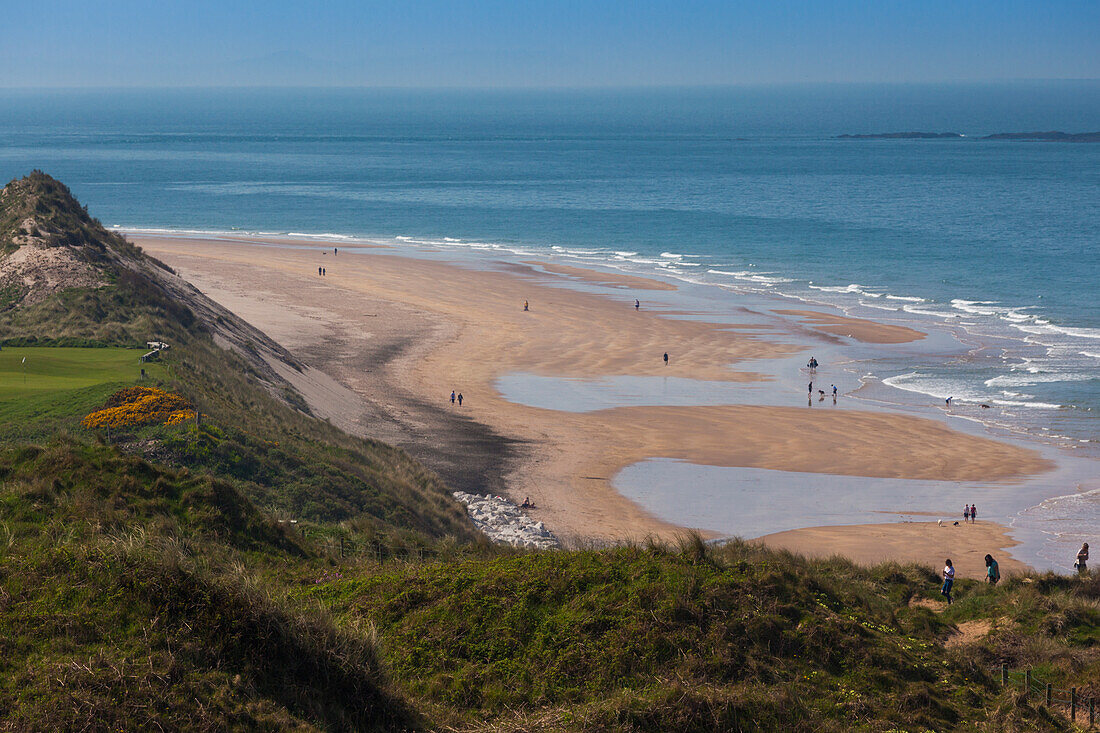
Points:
(948, 580)
(810, 388)
(666, 358)
(992, 570)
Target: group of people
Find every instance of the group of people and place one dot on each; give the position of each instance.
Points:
(970, 513)
(993, 571)
(992, 576)
(820, 392)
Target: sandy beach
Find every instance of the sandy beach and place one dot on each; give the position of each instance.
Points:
(390, 336)
(966, 544)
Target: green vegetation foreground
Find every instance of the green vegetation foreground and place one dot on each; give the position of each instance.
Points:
(255, 568)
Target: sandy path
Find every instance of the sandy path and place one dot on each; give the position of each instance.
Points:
(401, 333)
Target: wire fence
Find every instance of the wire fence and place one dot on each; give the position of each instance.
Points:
(1035, 689)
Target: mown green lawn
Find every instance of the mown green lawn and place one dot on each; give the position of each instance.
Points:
(56, 386)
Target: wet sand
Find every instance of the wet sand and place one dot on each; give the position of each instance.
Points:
(858, 328)
(397, 334)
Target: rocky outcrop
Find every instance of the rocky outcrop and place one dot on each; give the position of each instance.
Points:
(503, 522)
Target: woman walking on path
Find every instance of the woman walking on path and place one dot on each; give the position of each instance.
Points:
(992, 570)
(948, 580)
(1083, 559)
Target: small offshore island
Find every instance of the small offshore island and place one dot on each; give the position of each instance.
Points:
(219, 534)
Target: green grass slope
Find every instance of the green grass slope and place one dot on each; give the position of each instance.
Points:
(733, 638)
(124, 605)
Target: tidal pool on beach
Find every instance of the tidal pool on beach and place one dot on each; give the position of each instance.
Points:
(588, 395)
(753, 502)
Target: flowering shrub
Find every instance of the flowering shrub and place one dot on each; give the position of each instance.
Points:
(140, 406)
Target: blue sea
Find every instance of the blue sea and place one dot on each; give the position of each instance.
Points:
(744, 189)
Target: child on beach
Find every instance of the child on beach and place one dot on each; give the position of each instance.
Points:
(948, 580)
(992, 570)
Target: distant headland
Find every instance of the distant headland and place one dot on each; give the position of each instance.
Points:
(1051, 136)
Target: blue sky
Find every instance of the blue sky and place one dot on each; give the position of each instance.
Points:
(437, 43)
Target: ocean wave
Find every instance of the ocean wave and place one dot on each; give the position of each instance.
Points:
(1037, 377)
(909, 298)
(961, 391)
(756, 277)
(1045, 328)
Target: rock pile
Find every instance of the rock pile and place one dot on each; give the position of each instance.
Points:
(503, 522)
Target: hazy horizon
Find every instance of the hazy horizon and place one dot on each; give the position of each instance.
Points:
(494, 44)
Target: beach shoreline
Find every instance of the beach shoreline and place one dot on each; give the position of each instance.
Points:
(398, 333)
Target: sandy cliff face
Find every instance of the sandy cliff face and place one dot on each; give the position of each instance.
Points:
(49, 244)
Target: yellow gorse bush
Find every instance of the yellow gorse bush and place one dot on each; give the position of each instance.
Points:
(140, 406)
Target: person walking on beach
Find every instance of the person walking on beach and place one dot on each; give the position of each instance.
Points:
(1082, 563)
(834, 391)
(948, 401)
(948, 580)
(525, 305)
(966, 514)
(335, 251)
(637, 304)
(973, 512)
(460, 399)
(666, 358)
(992, 570)
(810, 389)
(452, 396)
(323, 272)
(318, 270)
